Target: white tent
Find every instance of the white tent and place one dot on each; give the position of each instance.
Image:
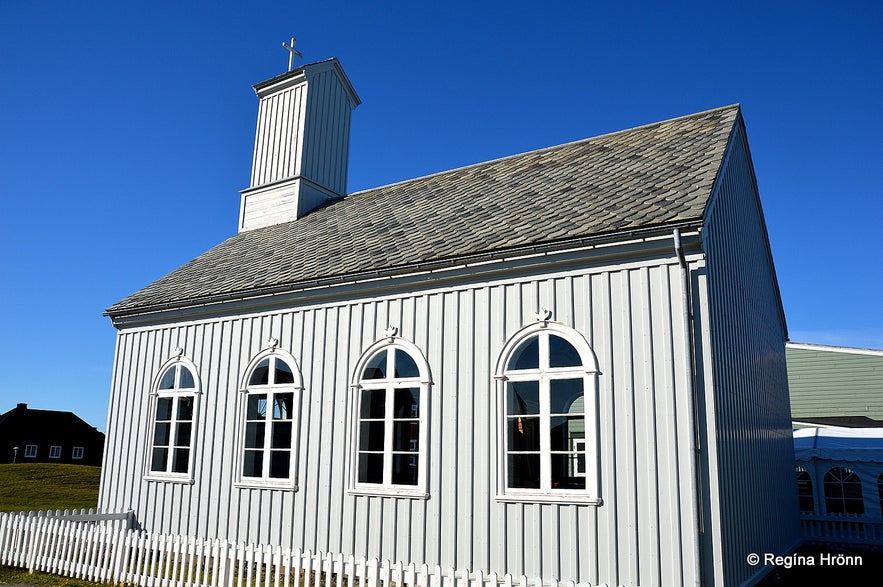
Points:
(863, 445)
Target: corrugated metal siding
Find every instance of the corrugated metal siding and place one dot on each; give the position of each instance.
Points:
(751, 430)
(827, 382)
(628, 314)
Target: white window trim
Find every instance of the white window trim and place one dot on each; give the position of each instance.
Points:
(77, 453)
(266, 482)
(591, 495)
(31, 451)
(419, 491)
(157, 393)
(55, 451)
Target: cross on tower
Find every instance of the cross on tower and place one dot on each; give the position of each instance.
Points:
(291, 53)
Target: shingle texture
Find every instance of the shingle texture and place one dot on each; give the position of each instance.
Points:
(654, 175)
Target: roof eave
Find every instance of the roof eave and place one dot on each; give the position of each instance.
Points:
(401, 270)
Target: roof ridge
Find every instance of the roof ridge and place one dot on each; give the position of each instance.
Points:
(541, 150)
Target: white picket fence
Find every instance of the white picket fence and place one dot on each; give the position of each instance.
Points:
(104, 548)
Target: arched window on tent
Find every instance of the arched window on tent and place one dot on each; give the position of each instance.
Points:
(391, 453)
(272, 390)
(548, 420)
(175, 391)
(804, 491)
(843, 492)
(880, 490)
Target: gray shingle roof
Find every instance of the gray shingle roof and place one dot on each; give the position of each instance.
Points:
(651, 176)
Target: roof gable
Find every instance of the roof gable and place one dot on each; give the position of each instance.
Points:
(648, 177)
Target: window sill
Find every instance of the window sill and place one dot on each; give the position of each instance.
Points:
(552, 498)
(284, 485)
(389, 492)
(169, 479)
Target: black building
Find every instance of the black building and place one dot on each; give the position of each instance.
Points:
(48, 436)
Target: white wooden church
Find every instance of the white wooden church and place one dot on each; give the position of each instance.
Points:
(567, 363)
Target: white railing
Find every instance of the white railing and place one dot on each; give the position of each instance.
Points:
(842, 528)
(106, 551)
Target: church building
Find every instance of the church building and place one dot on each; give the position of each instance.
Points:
(567, 364)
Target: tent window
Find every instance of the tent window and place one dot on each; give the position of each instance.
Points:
(843, 492)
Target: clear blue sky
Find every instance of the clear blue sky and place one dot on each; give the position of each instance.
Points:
(126, 132)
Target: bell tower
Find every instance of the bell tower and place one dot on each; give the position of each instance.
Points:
(301, 146)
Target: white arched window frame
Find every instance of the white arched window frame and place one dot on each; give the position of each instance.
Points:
(390, 421)
(174, 407)
(269, 421)
(547, 430)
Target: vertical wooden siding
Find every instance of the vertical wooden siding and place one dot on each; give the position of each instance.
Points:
(630, 315)
(326, 150)
(750, 435)
(279, 136)
(304, 130)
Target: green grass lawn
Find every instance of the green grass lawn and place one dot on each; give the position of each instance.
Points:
(10, 576)
(26, 487)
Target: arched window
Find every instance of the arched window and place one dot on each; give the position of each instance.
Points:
(391, 432)
(171, 452)
(880, 490)
(548, 419)
(804, 491)
(272, 400)
(843, 492)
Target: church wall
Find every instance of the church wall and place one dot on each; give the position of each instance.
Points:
(752, 503)
(629, 313)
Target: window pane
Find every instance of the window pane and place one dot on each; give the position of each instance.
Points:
(181, 461)
(524, 433)
(406, 436)
(168, 379)
(185, 408)
(562, 353)
(261, 373)
(404, 469)
(407, 403)
(164, 408)
(523, 397)
(370, 468)
(376, 367)
(280, 463)
(254, 435)
(282, 406)
(373, 403)
(564, 431)
(526, 356)
(524, 471)
(405, 365)
(843, 492)
(186, 381)
(182, 435)
(371, 435)
(253, 463)
(159, 460)
(283, 373)
(565, 472)
(281, 435)
(880, 489)
(161, 434)
(257, 406)
(804, 491)
(564, 394)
